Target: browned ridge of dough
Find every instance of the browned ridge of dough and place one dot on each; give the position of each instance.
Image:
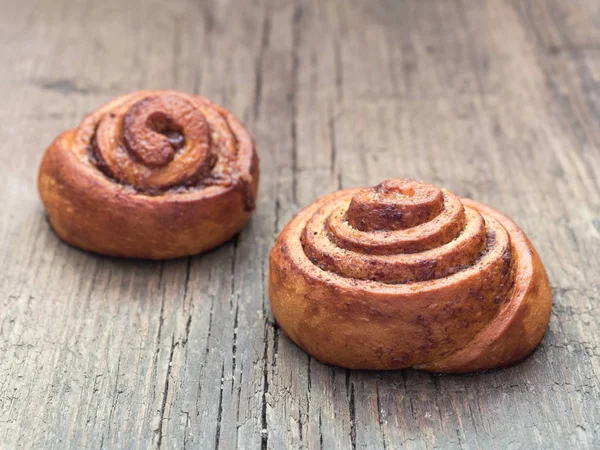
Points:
(151, 174)
(408, 275)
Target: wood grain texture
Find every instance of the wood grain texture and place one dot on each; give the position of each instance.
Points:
(497, 100)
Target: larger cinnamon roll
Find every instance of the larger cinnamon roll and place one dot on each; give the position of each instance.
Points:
(152, 174)
(408, 275)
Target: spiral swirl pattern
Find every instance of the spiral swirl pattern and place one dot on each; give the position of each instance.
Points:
(164, 158)
(410, 274)
(156, 142)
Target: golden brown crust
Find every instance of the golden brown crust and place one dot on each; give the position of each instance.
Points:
(414, 292)
(151, 174)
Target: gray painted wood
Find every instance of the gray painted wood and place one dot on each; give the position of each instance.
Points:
(498, 100)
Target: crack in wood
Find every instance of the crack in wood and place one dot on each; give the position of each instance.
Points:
(165, 393)
(265, 388)
(234, 345)
(235, 243)
(352, 407)
(220, 409)
(382, 420)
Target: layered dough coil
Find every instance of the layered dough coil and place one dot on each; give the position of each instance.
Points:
(151, 174)
(408, 275)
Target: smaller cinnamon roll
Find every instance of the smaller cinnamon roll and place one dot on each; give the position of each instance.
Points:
(151, 174)
(408, 275)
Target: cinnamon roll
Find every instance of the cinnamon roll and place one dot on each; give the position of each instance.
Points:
(408, 275)
(151, 174)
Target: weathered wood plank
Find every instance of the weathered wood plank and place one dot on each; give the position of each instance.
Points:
(497, 101)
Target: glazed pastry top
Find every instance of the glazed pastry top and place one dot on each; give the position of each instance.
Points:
(155, 142)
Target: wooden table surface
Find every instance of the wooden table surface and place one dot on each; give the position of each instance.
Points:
(496, 100)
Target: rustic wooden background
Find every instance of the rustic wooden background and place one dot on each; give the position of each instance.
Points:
(498, 100)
